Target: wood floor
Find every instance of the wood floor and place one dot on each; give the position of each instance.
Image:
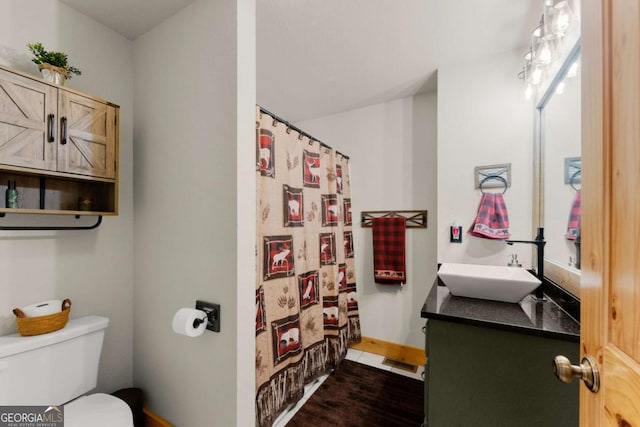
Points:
(358, 356)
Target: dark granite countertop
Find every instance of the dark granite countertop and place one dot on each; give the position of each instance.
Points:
(529, 316)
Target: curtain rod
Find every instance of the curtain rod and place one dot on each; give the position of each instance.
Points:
(300, 131)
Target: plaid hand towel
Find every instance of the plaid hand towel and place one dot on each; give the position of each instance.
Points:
(389, 250)
(573, 228)
(492, 220)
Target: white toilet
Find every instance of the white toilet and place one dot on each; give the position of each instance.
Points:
(58, 368)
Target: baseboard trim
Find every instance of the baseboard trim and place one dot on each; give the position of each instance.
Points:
(400, 352)
(151, 419)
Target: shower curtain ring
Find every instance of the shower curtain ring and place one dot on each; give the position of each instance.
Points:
(275, 123)
(288, 129)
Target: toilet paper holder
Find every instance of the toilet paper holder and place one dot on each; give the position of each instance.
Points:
(212, 312)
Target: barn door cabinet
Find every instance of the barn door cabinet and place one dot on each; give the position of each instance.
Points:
(60, 146)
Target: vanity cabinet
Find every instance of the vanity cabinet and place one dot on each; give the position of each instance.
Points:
(59, 145)
(490, 363)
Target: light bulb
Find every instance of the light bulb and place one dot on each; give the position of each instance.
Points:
(562, 18)
(536, 75)
(545, 52)
(573, 70)
(560, 88)
(528, 91)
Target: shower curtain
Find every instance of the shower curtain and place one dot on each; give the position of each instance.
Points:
(306, 300)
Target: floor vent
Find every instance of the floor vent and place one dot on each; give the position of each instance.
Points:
(400, 365)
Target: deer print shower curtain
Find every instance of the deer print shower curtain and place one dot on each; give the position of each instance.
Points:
(306, 300)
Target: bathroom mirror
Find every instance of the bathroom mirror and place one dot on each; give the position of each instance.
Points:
(559, 147)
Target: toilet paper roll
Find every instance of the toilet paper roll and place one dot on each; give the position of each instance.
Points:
(183, 322)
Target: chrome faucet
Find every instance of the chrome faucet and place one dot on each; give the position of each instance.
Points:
(539, 243)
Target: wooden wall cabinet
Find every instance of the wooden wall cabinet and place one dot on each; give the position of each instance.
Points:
(59, 145)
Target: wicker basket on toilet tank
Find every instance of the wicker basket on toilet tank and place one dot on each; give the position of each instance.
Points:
(28, 326)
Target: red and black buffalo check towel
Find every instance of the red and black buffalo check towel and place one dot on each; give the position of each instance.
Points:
(389, 250)
(573, 228)
(492, 220)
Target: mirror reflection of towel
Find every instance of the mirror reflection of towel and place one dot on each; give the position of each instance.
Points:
(573, 227)
(492, 220)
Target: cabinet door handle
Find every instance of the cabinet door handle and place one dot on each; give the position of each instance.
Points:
(50, 129)
(63, 127)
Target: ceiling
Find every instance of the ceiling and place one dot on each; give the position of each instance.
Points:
(320, 57)
(130, 18)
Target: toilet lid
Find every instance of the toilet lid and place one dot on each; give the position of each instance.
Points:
(97, 410)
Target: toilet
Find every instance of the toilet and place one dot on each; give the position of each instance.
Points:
(57, 369)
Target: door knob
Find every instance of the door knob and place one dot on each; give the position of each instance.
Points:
(587, 371)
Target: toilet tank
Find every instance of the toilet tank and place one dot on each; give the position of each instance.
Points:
(53, 368)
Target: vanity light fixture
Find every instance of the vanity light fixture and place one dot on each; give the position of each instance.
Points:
(556, 21)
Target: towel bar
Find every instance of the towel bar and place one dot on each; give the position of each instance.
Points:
(415, 218)
(51, 228)
(574, 179)
(494, 177)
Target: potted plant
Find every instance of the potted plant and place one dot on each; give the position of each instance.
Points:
(54, 66)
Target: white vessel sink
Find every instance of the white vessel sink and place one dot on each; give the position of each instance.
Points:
(492, 282)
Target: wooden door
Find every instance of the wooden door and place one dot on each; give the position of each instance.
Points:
(27, 120)
(87, 143)
(610, 286)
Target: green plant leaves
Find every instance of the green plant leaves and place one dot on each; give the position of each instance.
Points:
(57, 59)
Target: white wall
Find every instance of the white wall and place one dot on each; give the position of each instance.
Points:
(246, 214)
(392, 150)
(191, 112)
(92, 268)
(483, 119)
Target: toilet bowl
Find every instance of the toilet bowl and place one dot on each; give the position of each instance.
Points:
(58, 369)
(97, 410)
